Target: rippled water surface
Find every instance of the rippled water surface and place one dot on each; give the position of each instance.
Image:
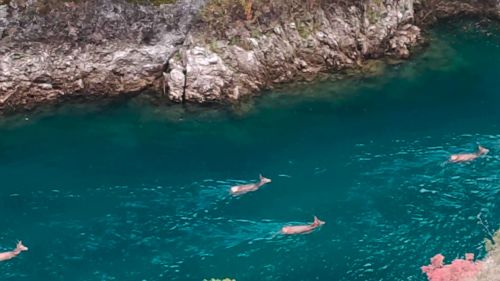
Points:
(136, 193)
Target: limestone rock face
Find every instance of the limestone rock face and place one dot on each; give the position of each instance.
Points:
(206, 75)
(199, 78)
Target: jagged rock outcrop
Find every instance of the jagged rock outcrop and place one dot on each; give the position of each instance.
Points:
(200, 79)
(323, 39)
(51, 51)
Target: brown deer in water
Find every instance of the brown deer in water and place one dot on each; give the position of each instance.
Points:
(465, 157)
(300, 229)
(12, 254)
(244, 188)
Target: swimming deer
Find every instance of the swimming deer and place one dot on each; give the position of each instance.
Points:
(300, 229)
(12, 254)
(465, 157)
(244, 188)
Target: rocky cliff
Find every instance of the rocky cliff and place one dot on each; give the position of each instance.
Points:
(198, 50)
(55, 51)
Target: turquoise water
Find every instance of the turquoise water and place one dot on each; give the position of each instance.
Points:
(130, 192)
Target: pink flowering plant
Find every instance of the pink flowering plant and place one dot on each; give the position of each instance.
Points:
(467, 269)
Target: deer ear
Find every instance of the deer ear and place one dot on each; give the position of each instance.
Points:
(260, 176)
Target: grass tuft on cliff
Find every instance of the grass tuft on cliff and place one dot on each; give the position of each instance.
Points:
(219, 13)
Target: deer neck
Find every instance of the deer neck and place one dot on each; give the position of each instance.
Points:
(16, 251)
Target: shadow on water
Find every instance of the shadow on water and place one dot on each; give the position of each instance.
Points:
(140, 193)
